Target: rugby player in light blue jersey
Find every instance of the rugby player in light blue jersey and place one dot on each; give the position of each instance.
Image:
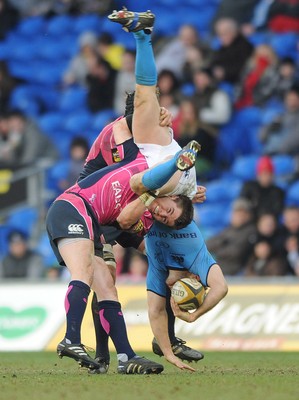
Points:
(173, 255)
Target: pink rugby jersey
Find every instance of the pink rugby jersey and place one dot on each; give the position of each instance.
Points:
(108, 190)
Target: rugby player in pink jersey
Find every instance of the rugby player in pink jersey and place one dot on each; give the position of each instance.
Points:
(74, 226)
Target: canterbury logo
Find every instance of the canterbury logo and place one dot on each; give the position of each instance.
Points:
(75, 228)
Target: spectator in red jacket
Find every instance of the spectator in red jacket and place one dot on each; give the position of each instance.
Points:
(260, 71)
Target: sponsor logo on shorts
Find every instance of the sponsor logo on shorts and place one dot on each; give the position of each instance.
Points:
(75, 229)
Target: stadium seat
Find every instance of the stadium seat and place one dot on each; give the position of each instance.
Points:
(127, 41)
(223, 190)
(4, 50)
(50, 49)
(188, 89)
(22, 51)
(51, 122)
(73, 99)
(55, 174)
(58, 25)
(244, 167)
(284, 165)
(271, 111)
(44, 248)
(31, 27)
(285, 44)
(48, 74)
(23, 100)
(4, 232)
(23, 71)
(292, 194)
(78, 122)
(23, 219)
(102, 118)
(213, 215)
(88, 22)
(199, 17)
(61, 140)
(258, 38)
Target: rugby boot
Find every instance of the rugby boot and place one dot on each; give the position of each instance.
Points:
(134, 21)
(187, 156)
(139, 365)
(179, 348)
(78, 353)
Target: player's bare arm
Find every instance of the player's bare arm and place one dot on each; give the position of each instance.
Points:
(217, 291)
(158, 321)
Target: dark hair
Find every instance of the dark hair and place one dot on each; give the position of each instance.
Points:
(186, 217)
(17, 235)
(294, 88)
(80, 141)
(16, 113)
(105, 38)
(129, 103)
(288, 61)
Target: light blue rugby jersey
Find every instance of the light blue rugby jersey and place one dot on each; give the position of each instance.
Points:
(167, 248)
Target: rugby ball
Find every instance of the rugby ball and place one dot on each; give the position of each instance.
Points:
(188, 293)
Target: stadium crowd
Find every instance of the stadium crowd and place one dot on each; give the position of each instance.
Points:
(229, 75)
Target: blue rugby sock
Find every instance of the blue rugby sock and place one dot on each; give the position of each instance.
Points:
(75, 306)
(112, 320)
(145, 67)
(160, 174)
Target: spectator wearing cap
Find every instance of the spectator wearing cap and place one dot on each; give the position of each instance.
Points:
(262, 193)
(232, 246)
(20, 262)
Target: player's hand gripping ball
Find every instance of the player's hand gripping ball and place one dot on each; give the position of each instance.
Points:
(188, 293)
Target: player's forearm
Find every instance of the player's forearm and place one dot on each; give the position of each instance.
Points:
(131, 214)
(213, 297)
(159, 325)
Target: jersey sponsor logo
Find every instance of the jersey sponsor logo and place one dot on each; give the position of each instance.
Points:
(115, 155)
(75, 228)
(117, 189)
(164, 245)
(182, 235)
(178, 258)
(92, 198)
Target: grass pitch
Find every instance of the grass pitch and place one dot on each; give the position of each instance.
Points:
(221, 375)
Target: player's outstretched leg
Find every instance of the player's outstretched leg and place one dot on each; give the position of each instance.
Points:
(183, 160)
(139, 365)
(179, 348)
(187, 156)
(78, 353)
(133, 21)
